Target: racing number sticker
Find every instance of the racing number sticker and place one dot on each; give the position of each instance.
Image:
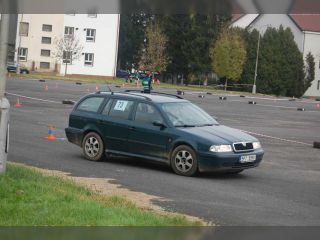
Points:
(121, 105)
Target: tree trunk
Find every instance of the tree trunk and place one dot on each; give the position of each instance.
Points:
(175, 76)
(182, 79)
(226, 84)
(66, 69)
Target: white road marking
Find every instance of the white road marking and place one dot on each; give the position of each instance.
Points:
(31, 98)
(277, 138)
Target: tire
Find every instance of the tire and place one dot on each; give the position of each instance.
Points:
(93, 147)
(184, 161)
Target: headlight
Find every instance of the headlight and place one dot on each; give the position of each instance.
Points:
(221, 148)
(256, 145)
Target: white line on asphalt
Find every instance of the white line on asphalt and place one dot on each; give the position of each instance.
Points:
(275, 106)
(277, 138)
(36, 99)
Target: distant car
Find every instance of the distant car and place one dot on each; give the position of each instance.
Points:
(13, 68)
(138, 75)
(123, 74)
(159, 127)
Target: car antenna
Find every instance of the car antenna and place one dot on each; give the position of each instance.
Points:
(110, 89)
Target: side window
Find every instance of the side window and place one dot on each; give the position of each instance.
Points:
(106, 109)
(121, 108)
(147, 114)
(91, 104)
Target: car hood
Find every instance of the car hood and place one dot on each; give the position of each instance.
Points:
(220, 134)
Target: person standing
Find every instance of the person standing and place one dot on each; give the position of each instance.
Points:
(146, 83)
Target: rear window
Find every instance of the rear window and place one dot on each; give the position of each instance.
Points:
(90, 104)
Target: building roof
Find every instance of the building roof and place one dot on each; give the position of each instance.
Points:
(236, 17)
(307, 22)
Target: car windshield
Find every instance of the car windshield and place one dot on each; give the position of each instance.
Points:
(186, 114)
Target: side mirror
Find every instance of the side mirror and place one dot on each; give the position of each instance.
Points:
(159, 124)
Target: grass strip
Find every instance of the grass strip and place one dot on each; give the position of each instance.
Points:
(28, 198)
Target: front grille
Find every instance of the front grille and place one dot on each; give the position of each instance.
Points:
(243, 146)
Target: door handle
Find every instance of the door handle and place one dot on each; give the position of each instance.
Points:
(132, 128)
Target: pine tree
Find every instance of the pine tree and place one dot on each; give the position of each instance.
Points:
(309, 71)
(131, 37)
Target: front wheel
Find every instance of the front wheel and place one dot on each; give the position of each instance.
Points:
(184, 161)
(93, 147)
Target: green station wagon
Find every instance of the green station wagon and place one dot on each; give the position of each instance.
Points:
(159, 127)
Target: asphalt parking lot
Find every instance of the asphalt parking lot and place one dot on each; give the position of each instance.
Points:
(284, 190)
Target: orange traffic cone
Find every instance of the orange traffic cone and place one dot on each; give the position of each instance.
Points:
(51, 134)
(18, 104)
(97, 88)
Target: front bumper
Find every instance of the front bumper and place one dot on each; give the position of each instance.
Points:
(210, 162)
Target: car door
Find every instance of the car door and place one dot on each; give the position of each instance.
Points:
(114, 124)
(145, 138)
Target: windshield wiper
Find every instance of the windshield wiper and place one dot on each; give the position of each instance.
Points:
(185, 125)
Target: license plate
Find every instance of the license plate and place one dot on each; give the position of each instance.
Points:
(248, 158)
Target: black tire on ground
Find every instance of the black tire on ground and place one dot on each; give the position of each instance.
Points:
(93, 147)
(184, 161)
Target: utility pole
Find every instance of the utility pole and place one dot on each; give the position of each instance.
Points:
(254, 87)
(4, 103)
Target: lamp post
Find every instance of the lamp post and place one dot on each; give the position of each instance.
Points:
(4, 103)
(254, 87)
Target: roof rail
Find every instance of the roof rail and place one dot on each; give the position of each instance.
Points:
(133, 90)
(167, 94)
(125, 92)
(137, 95)
(155, 93)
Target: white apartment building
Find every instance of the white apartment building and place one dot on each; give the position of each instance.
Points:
(306, 31)
(37, 36)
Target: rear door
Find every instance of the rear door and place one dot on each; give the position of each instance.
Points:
(114, 123)
(145, 138)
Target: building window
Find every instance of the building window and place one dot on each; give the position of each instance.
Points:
(24, 29)
(23, 54)
(318, 85)
(90, 35)
(67, 57)
(68, 31)
(46, 40)
(46, 28)
(45, 53)
(92, 15)
(88, 59)
(44, 65)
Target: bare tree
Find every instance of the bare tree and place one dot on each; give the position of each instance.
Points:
(154, 55)
(67, 50)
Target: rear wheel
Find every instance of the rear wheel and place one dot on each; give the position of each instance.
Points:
(184, 161)
(93, 147)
